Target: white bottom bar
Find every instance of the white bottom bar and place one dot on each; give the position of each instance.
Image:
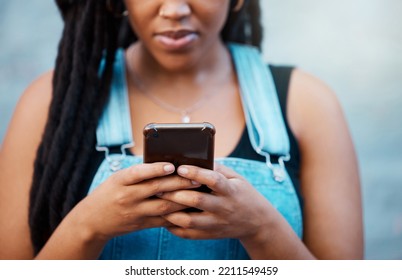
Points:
(200, 270)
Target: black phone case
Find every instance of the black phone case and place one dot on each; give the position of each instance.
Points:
(180, 144)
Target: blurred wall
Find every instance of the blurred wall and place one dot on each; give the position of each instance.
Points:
(354, 46)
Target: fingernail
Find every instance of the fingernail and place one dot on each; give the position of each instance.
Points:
(160, 194)
(195, 183)
(168, 168)
(182, 170)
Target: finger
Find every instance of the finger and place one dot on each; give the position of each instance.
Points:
(131, 195)
(191, 233)
(162, 185)
(158, 207)
(200, 200)
(199, 221)
(140, 172)
(226, 171)
(154, 222)
(214, 180)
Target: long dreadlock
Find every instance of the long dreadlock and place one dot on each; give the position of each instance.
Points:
(91, 33)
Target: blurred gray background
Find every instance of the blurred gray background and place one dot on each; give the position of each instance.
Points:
(355, 46)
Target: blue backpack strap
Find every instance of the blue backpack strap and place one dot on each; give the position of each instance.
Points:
(266, 127)
(114, 127)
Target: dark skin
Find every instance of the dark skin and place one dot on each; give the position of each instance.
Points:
(329, 173)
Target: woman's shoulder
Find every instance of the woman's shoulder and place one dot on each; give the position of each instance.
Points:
(312, 104)
(37, 96)
(39, 92)
(309, 105)
(30, 114)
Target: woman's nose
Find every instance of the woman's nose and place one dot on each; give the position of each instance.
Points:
(175, 9)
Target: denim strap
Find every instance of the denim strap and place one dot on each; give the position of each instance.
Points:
(265, 124)
(114, 127)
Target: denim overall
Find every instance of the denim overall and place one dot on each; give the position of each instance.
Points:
(267, 134)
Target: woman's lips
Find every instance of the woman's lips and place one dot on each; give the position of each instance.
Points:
(176, 40)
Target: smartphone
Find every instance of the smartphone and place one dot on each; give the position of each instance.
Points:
(180, 144)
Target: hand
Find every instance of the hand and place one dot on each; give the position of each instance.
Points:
(126, 201)
(234, 209)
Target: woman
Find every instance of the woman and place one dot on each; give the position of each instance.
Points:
(60, 198)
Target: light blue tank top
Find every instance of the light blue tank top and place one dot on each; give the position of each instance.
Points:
(268, 135)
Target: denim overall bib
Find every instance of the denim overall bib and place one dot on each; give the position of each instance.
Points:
(267, 134)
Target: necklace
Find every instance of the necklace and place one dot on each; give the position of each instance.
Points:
(185, 113)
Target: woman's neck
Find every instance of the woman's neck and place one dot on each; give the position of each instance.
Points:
(211, 68)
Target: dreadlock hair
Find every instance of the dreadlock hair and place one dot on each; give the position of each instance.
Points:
(244, 26)
(91, 33)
